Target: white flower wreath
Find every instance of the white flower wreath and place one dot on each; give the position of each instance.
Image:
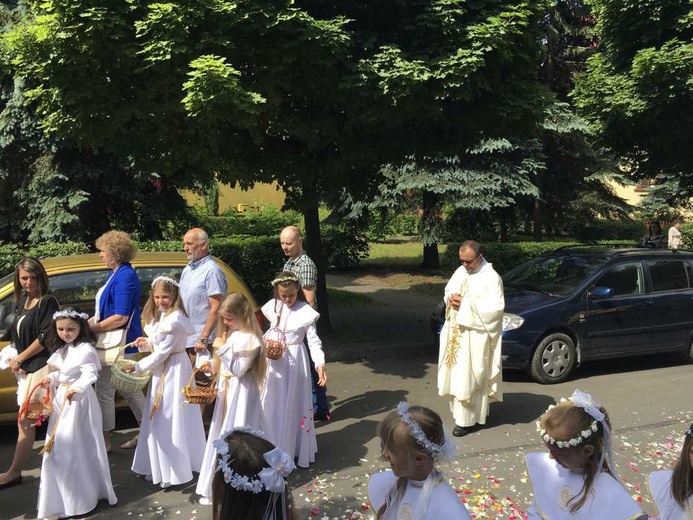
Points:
(445, 451)
(269, 478)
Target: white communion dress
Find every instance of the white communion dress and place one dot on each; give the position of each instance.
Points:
(554, 486)
(238, 399)
(172, 437)
(287, 398)
(659, 483)
(443, 503)
(75, 473)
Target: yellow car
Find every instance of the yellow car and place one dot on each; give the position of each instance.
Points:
(74, 280)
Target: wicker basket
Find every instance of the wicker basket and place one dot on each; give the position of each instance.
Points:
(126, 381)
(37, 410)
(196, 394)
(275, 343)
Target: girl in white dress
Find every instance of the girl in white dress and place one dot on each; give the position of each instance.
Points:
(577, 478)
(672, 490)
(172, 437)
(287, 397)
(240, 362)
(412, 440)
(75, 473)
(250, 479)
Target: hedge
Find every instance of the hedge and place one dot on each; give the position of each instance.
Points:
(255, 259)
(11, 254)
(505, 256)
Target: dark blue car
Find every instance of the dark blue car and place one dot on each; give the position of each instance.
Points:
(576, 304)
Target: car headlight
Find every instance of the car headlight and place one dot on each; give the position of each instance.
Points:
(512, 321)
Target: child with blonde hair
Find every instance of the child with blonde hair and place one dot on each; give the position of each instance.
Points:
(287, 398)
(577, 478)
(172, 437)
(250, 479)
(672, 490)
(412, 440)
(75, 473)
(240, 364)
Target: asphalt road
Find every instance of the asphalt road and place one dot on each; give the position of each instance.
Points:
(648, 399)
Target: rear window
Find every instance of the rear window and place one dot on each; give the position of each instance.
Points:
(668, 275)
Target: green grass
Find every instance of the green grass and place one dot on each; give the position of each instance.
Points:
(402, 253)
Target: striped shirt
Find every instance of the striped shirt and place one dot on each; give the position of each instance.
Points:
(198, 281)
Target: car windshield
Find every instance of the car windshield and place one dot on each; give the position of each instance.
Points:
(6, 279)
(558, 275)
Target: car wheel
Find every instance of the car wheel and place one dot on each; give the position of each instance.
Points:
(553, 359)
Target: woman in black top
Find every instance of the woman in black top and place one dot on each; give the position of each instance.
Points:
(654, 238)
(33, 318)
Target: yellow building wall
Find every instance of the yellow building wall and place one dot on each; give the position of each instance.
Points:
(242, 200)
(631, 194)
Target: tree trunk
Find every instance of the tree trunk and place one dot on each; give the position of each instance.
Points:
(431, 259)
(314, 250)
(537, 224)
(504, 235)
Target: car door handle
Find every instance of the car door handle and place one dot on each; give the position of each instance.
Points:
(645, 303)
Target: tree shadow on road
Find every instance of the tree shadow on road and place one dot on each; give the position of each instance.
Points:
(518, 408)
(367, 404)
(347, 445)
(412, 365)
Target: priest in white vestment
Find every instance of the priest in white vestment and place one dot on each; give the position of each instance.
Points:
(469, 364)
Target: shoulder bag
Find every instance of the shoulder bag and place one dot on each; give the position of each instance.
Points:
(110, 342)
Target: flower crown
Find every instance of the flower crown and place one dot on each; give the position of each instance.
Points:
(575, 441)
(437, 451)
(166, 279)
(591, 407)
(284, 279)
(270, 479)
(73, 315)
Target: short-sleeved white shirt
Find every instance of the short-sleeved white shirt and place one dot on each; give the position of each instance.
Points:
(198, 281)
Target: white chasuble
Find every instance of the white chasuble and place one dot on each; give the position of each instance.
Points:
(469, 365)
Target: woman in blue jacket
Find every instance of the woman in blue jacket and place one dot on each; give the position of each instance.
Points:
(117, 307)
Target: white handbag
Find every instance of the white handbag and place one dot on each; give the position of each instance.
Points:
(109, 343)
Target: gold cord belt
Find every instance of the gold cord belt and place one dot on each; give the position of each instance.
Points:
(160, 386)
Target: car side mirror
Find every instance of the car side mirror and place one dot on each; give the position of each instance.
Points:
(601, 293)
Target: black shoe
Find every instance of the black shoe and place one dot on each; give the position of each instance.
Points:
(321, 416)
(461, 431)
(12, 483)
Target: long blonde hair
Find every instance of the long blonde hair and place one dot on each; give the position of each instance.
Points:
(571, 420)
(238, 306)
(150, 312)
(682, 477)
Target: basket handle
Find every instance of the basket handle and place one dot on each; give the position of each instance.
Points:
(122, 349)
(25, 406)
(195, 371)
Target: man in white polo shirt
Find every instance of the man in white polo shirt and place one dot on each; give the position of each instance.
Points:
(202, 286)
